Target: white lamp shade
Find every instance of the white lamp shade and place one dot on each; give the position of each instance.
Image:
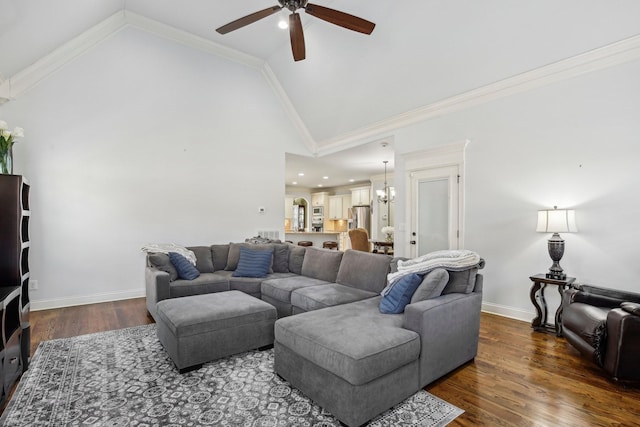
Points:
(557, 221)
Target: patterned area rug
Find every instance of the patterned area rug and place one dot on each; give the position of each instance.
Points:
(125, 378)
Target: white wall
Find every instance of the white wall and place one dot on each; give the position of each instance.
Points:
(144, 140)
(574, 144)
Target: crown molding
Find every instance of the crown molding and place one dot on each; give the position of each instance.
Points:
(607, 56)
(50, 63)
(189, 39)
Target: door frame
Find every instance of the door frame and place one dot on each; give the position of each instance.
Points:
(434, 158)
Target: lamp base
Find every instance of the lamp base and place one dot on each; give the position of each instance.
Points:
(556, 250)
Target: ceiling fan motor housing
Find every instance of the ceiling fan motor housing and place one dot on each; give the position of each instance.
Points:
(293, 5)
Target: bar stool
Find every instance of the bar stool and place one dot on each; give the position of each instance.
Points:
(330, 245)
(305, 243)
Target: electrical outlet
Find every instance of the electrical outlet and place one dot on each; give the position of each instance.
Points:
(33, 285)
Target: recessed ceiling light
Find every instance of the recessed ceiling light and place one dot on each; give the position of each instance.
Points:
(295, 183)
(319, 185)
(352, 180)
(300, 173)
(283, 25)
(325, 177)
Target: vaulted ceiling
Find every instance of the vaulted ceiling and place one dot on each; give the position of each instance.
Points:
(421, 52)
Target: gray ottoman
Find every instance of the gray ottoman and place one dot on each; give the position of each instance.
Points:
(200, 328)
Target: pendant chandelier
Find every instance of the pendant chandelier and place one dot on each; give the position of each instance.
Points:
(386, 194)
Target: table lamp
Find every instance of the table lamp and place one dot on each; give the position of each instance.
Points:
(556, 221)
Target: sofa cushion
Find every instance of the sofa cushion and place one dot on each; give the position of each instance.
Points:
(373, 345)
(253, 263)
(220, 254)
(252, 285)
(280, 288)
(185, 269)
(317, 297)
(432, 285)
(296, 257)
(163, 263)
(280, 258)
(397, 298)
(204, 258)
(206, 283)
(364, 270)
(322, 264)
(461, 281)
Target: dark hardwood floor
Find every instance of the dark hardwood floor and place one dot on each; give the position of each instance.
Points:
(519, 378)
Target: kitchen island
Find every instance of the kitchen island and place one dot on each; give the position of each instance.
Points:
(315, 237)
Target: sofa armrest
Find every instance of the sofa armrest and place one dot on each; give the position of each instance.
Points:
(603, 297)
(631, 307)
(623, 343)
(449, 328)
(157, 288)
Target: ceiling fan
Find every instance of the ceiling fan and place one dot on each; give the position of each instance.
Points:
(333, 16)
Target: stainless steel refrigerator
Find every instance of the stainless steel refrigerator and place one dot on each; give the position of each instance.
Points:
(360, 217)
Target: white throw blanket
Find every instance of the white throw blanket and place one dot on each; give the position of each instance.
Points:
(165, 248)
(456, 260)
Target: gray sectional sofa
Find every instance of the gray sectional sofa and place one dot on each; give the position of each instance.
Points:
(331, 340)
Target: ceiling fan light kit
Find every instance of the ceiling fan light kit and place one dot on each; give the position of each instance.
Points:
(296, 33)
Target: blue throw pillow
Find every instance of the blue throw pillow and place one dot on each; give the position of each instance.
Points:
(253, 263)
(400, 294)
(185, 269)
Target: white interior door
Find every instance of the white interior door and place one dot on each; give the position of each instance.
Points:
(434, 210)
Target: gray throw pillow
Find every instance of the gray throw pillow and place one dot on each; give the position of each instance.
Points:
(296, 258)
(163, 263)
(204, 259)
(461, 282)
(432, 285)
(220, 254)
(280, 258)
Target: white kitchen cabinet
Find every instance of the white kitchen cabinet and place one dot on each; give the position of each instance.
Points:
(335, 207)
(319, 199)
(346, 205)
(339, 206)
(361, 196)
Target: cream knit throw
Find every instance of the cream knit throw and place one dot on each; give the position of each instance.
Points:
(456, 260)
(165, 248)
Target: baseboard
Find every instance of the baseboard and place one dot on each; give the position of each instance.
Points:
(83, 300)
(510, 312)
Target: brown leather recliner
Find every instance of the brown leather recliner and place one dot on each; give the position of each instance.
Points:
(604, 324)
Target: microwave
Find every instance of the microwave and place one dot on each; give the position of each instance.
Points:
(317, 210)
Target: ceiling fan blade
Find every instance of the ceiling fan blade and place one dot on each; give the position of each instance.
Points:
(340, 18)
(249, 19)
(297, 37)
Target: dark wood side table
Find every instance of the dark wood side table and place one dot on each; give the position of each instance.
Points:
(540, 282)
(382, 246)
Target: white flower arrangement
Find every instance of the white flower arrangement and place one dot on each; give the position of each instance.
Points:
(7, 139)
(388, 230)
